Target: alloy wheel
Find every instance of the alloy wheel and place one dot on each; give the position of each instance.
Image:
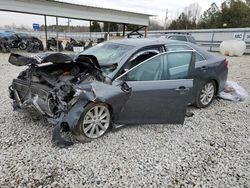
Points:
(207, 93)
(96, 121)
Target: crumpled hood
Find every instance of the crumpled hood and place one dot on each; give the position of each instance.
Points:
(20, 60)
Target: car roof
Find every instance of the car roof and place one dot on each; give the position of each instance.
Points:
(141, 42)
(145, 41)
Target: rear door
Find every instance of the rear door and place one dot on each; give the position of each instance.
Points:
(160, 90)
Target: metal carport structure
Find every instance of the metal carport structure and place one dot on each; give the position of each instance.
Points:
(74, 11)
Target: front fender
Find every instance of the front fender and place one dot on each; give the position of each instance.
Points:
(73, 115)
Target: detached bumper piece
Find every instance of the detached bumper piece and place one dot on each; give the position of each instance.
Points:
(57, 138)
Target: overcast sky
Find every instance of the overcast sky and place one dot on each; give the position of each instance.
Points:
(154, 7)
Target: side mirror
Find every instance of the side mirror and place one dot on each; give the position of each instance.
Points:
(125, 87)
(108, 80)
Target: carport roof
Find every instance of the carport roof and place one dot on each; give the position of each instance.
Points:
(74, 11)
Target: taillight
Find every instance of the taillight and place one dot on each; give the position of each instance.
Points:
(226, 63)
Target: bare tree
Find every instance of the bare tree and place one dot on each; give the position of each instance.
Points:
(166, 20)
(248, 2)
(193, 11)
(155, 25)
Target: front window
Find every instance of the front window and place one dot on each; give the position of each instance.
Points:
(166, 66)
(149, 70)
(108, 54)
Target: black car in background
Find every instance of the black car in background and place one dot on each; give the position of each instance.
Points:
(23, 41)
(52, 44)
(4, 45)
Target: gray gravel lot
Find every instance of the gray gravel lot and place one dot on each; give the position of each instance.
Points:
(211, 149)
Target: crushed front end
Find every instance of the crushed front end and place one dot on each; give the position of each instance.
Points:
(49, 86)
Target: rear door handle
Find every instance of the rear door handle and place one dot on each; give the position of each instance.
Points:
(203, 68)
(182, 88)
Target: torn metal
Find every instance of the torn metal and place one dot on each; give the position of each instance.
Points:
(54, 89)
(61, 88)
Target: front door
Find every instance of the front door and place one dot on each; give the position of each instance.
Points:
(160, 90)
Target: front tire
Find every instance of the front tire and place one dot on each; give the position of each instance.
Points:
(94, 122)
(206, 94)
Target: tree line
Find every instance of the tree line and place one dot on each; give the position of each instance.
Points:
(231, 14)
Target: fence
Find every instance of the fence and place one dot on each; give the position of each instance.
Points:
(210, 39)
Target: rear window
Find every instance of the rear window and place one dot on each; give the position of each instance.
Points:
(191, 39)
(181, 38)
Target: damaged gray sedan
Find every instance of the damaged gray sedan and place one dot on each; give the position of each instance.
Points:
(109, 85)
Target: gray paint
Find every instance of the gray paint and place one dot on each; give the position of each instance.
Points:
(148, 101)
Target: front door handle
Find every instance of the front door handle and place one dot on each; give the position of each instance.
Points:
(182, 88)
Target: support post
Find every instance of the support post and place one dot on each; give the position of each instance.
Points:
(57, 42)
(212, 42)
(108, 30)
(146, 32)
(90, 29)
(123, 30)
(69, 24)
(46, 32)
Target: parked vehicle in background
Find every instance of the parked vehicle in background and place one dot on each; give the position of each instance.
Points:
(89, 45)
(74, 43)
(100, 40)
(175, 36)
(22, 40)
(33, 46)
(52, 44)
(129, 81)
(4, 45)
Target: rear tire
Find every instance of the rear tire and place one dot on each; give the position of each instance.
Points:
(94, 122)
(206, 94)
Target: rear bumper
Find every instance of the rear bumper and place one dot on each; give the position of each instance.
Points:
(222, 80)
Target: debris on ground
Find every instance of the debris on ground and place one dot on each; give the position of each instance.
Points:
(233, 92)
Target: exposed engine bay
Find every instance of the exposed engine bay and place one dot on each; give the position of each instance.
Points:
(50, 87)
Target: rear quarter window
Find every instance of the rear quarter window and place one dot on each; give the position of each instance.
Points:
(198, 57)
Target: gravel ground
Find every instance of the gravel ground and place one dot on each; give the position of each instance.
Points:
(211, 149)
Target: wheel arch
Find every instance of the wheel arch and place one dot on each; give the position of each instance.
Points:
(216, 84)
